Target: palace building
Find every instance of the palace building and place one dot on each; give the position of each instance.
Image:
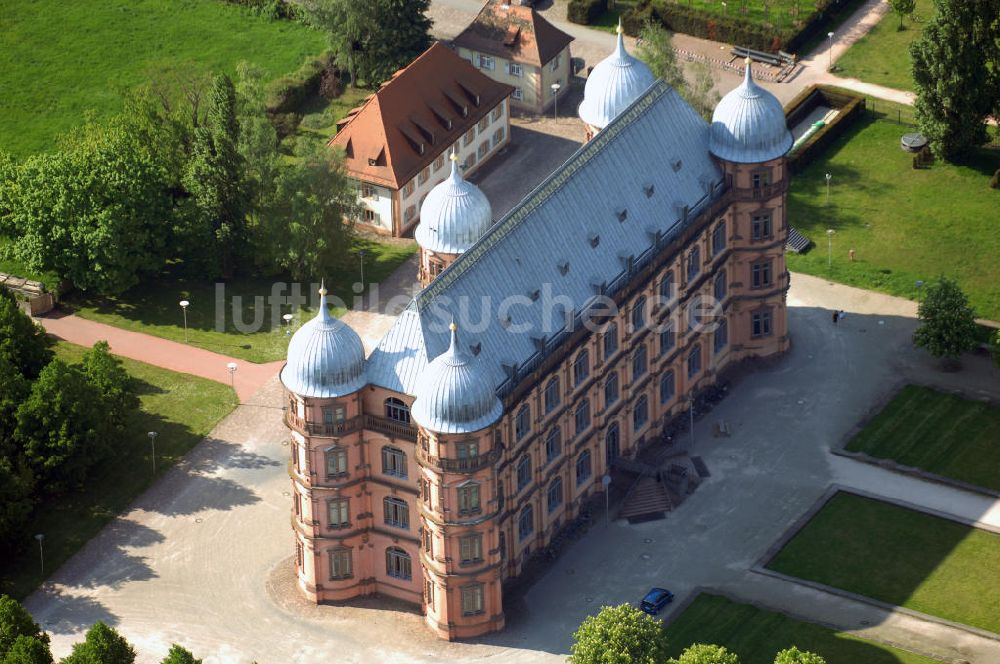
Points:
(542, 347)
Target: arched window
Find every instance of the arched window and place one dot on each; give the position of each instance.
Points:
(523, 472)
(581, 367)
(398, 563)
(583, 469)
(336, 462)
(555, 494)
(611, 390)
(522, 423)
(610, 340)
(640, 414)
(612, 444)
(468, 499)
(396, 409)
(553, 444)
(639, 314)
(639, 363)
(552, 396)
(582, 416)
(526, 523)
(394, 461)
(397, 513)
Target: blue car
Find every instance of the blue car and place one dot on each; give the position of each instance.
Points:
(655, 600)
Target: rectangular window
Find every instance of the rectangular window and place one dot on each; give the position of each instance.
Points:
(411, 212)
(553, 444)
(367, 191)
(639, 315)
(470, 548)
(371, 216)
(483, 124)
(610, 341)
(468, 499)
(498, 136)
(394, 462)
(667, 387)
(470, 161)
(581, 367)
(336, 462)
(719, 238)
(721, 335)
(338, 514)
(719, 287)
(523, 472)
(694, 263)
(496, 112)
(396, 513)
(439, 162)
(424, 176)
(694, 362)
(472, 600)
(611, 390)
(515, 69)
(340, 564)
(408, 189)
(429, 593)
(517, 94)
(522, 423)
(667, 287)
(582, 416)
(552, 395)
(467, 449)
(760, 226)
(583, 469)
(760, 274)
(667, 339)
(486, 62)
(484, 147)
(761, 323)
(468, 137)
(639, 363)
(760, 179)
(555, 61)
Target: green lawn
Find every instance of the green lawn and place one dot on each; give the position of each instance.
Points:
(883, 55)
(940, 433)
(153, 307)
(757, 635)
(900, 556)
(320, 116)
(59, 60)
(182, 409)
(904, 224)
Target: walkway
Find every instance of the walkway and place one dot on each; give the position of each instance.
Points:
(234, 489)
(249, 377)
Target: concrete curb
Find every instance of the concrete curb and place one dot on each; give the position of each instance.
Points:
(840, 449)
(757, 604)
(760, 565)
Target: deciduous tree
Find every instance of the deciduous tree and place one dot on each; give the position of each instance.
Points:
(903, 8)
(956, 70)
(179, 655)
(705, 653)
(657, 51)
(795, 656)
(27, 650)
(23, 344)
(619, 634)
(105, 372)
(102, 645)
(947, 322)
(15, 621)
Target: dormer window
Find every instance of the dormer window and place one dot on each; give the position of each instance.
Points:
(622, 214)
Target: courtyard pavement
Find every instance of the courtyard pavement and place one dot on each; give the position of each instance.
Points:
(204, 557)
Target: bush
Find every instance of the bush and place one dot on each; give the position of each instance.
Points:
(288, 93)
(634, 19)
(995, 180)
(586, 12)
(276, 9)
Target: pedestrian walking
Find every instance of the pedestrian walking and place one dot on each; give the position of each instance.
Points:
(841, 315)
(836, 317)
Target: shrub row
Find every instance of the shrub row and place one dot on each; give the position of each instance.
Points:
(733, 30)
(850, 107)
(277, 9)
(286, 95)
(586, 12)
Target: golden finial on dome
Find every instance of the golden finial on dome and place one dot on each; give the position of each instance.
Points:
(322, 287)
(453, 327)
(454, 156)
(619, 29)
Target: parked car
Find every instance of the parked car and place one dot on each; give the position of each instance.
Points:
(655, 600)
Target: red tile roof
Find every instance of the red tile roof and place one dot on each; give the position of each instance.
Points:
(514, 32)
(417, 114)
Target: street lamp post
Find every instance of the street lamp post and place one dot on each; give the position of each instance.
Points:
(828, 178)
(829, 248)
(232, 375)
(184, 307)
(152, 443)
(606, 481)
(691, 416)
(920, 289)
(555, 100)
(361, 253)
(830, 51)
(288, 324)
(41, 550)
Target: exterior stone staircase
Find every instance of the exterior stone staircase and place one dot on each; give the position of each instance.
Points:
(648, 501)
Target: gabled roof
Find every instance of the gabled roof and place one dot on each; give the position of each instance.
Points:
(619, 200)
(415, 116)
(514, 32)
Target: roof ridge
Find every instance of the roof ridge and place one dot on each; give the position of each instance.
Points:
(539, 195)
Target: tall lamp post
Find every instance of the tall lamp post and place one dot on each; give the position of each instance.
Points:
(920, 289)
(828, 178)
(41, 551)
(830, 51)
(152, 443)
(555, 100)
(184, 307)
(232, 375)
(829, 248)
(361, 253)
(288, 324)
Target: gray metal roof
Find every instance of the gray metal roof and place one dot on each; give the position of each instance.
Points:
(454, 215)
(613, 84)
(748, 125)
(325, 357)
(577, 229)
(454, 394)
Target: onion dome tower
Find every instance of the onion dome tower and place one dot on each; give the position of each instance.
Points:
(613, 84)
(453, 216)
(325, 357)
(457, 412)
(748, 125)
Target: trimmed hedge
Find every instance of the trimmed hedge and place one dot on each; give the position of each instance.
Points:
(733, 30)
(850, 106)
(585, 12)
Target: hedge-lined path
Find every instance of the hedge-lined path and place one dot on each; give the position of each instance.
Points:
(249, 377)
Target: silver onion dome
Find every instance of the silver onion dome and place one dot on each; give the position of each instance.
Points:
(613, 84)
(454, 215)
(748, 125)
(325, 357)
(454, 395)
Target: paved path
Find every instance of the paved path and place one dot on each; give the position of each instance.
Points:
(171, 355)
(211, 545)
